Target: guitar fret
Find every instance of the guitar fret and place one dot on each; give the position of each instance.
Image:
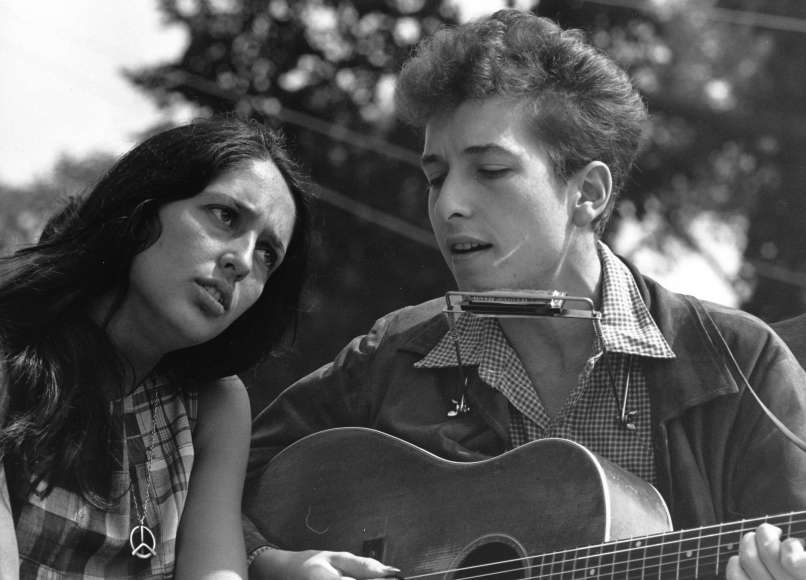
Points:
(552, 565)
(710, 545)
(580, 564)
(536, 566)
(621, 560)
(787, 529)
(612, 566)
(592, 564)
(689, 554)
(587, 566)
(653, 556)
(718, 548)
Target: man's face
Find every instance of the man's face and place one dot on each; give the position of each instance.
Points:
(501, 218)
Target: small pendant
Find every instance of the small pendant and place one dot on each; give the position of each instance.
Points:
(143, 542)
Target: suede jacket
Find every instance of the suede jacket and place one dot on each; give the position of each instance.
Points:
(718, 456)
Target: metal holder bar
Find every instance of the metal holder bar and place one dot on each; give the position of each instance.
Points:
(519, 304)
(508, 304)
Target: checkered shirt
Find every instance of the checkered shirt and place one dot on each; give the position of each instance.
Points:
(63, 535)
(590, 414)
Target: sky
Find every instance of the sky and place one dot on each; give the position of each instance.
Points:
(62, 89)
(62, 92)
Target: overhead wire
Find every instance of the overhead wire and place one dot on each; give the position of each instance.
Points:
(329, 195)
(300, 119)
(727, 15)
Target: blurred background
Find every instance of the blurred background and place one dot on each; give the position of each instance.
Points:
(714, 208)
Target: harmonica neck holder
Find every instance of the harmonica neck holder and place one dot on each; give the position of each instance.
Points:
(510, 304)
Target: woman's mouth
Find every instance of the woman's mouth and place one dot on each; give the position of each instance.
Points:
(213, 299)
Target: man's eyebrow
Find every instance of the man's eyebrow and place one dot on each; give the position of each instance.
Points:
(486, 148)
(471, 150)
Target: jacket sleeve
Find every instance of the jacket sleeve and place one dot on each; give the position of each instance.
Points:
(763, 472)
(336, 395)
(769, 474)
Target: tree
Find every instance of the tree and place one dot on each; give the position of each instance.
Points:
(24, 210)
(727, 127)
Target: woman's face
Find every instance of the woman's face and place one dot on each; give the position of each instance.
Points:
(214, 255)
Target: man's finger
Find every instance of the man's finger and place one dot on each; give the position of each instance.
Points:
(793, 557)
(733, 571)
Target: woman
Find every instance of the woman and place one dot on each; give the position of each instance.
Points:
(125, 435)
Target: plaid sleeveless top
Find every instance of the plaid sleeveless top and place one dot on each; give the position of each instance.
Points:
(62, 535)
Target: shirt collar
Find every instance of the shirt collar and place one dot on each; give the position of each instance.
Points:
(626, 325)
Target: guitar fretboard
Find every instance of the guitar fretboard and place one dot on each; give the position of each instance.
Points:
(693, 553)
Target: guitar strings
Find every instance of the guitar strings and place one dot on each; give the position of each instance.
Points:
(703, 555)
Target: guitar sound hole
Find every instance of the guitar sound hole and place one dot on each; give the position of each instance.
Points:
(494, 561)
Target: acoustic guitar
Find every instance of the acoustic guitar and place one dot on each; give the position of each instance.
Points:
(548, 509)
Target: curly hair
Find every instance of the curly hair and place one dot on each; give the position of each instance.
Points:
(56, 358)
(578, 103)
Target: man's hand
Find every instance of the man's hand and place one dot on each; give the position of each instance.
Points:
(317, 565)
(764, 556)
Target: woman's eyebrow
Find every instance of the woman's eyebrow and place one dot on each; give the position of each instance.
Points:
(267, 234)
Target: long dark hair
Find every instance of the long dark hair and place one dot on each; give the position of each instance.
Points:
(56, 359)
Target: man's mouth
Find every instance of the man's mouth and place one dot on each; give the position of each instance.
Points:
(468, 247)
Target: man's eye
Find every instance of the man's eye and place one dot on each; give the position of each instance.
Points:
(224, 214)
(435, 182)
(492, 172)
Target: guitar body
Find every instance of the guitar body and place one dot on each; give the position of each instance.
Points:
(369, 493)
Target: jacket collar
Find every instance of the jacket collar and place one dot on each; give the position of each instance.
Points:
(425, 336)
(700, 372)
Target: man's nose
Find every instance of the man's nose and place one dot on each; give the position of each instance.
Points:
(455, 198)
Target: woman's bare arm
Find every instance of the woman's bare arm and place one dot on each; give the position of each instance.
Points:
(210, 544)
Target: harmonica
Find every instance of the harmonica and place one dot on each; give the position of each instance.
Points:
(520, 304)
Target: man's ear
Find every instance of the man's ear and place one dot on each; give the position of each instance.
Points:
(594, 186)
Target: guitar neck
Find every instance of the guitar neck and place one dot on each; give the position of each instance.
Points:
(691, 553)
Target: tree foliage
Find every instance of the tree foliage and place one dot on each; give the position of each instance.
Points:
(727, 130)
(25, 209)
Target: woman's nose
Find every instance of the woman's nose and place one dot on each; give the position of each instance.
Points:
(237, 258)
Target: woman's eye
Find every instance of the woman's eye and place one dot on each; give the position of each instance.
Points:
(268, 255)
(224, 214)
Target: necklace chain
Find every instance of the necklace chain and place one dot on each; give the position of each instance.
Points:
(141, 532)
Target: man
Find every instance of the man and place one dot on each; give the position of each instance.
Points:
(529, 135)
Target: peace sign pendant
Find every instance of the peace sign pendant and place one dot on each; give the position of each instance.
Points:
(142, 542)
